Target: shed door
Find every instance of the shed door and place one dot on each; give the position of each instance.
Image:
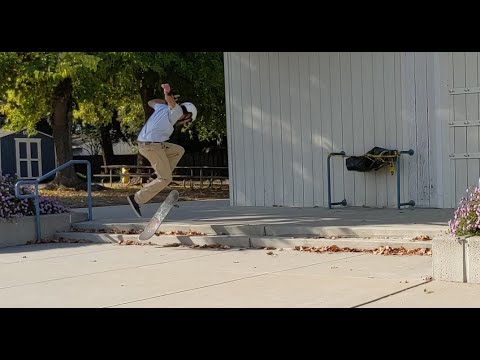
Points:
(464, 122)
(29, 158)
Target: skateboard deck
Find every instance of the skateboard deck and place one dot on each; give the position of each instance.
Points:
(159, 216)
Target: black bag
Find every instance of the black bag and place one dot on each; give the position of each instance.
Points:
(366, 163)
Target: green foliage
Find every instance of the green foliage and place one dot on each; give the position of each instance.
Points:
(28, 81)
(108, 81)
(199, 77)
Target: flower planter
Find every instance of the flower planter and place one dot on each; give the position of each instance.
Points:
(456, 259)
(20, 231)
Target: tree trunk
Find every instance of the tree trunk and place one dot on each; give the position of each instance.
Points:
(62, 132)
(107, 145)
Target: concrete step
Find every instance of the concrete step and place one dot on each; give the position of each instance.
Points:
(400, 231)
(245, 241)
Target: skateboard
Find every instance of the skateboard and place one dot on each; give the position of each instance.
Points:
(159, 216)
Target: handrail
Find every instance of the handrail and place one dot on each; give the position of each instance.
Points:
(35, 182)
(397, 156)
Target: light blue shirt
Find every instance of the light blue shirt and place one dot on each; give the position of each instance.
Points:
(159, 126)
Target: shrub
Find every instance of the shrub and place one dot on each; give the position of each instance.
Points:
(12, 207)
(466, 218)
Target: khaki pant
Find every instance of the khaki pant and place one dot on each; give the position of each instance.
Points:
(163, 157)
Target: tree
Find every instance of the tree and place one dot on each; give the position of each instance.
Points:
(93, 87)
(36, 85)
(199, 77)
(100, 138)
(196, 76)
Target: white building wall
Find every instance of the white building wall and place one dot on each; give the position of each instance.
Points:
(287, 111)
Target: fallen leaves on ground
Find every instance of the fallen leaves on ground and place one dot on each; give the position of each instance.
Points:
(118, 195)
(382, 250)
(422, 238)
(59, 240)
(135, 242)
(185, 233)
(137, 231)
(210, 246)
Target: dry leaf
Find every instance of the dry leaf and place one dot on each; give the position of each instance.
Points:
(270, 253)
(382, 250)
(422, 238)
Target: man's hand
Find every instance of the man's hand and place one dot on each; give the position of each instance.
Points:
(171, 101)
(166, 89)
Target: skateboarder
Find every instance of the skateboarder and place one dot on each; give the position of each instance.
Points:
(163, 156)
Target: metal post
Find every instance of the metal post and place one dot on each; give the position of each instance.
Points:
(89, 190)
(411, 202)
(37, 213)
(398, 181)
(344, 201)
(18, 192)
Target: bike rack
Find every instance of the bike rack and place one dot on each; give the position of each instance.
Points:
(19, 195)
(344, 201)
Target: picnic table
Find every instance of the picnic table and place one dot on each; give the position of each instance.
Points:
(126, 174)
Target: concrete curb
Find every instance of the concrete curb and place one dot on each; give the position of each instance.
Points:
(354, 243)
(278, 230)
(244, 241)
(231, 241)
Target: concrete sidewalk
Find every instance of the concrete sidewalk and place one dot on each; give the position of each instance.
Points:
(91, 275)
(285, 220)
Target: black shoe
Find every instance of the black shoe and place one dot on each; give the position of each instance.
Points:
(134, 205)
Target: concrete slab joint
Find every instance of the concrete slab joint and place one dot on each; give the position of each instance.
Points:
(456, 259)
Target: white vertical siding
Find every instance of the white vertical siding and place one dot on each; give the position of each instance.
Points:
(306, 126)
(267, 130)
(277, 128)
(421, 130)
(347, 120)
(286, 125)
(459, 133)
(318, 158)
(368, 130)
(461, 75)
(471, 114)
(358, 124)
(230, 148)
(288, 111)
(258, 134)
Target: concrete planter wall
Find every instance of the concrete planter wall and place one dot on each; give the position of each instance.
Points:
(19, 231)
(456, 260)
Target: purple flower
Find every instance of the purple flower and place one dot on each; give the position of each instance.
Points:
(12, 207)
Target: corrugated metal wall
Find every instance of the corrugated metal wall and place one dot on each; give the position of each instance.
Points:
(287, 111)
(463, 105)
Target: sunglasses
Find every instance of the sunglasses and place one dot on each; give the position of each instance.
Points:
(188, 115)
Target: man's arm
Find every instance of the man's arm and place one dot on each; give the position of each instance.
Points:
(168, 96)
(152, 103)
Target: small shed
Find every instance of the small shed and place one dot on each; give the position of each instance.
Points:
(26, 157)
